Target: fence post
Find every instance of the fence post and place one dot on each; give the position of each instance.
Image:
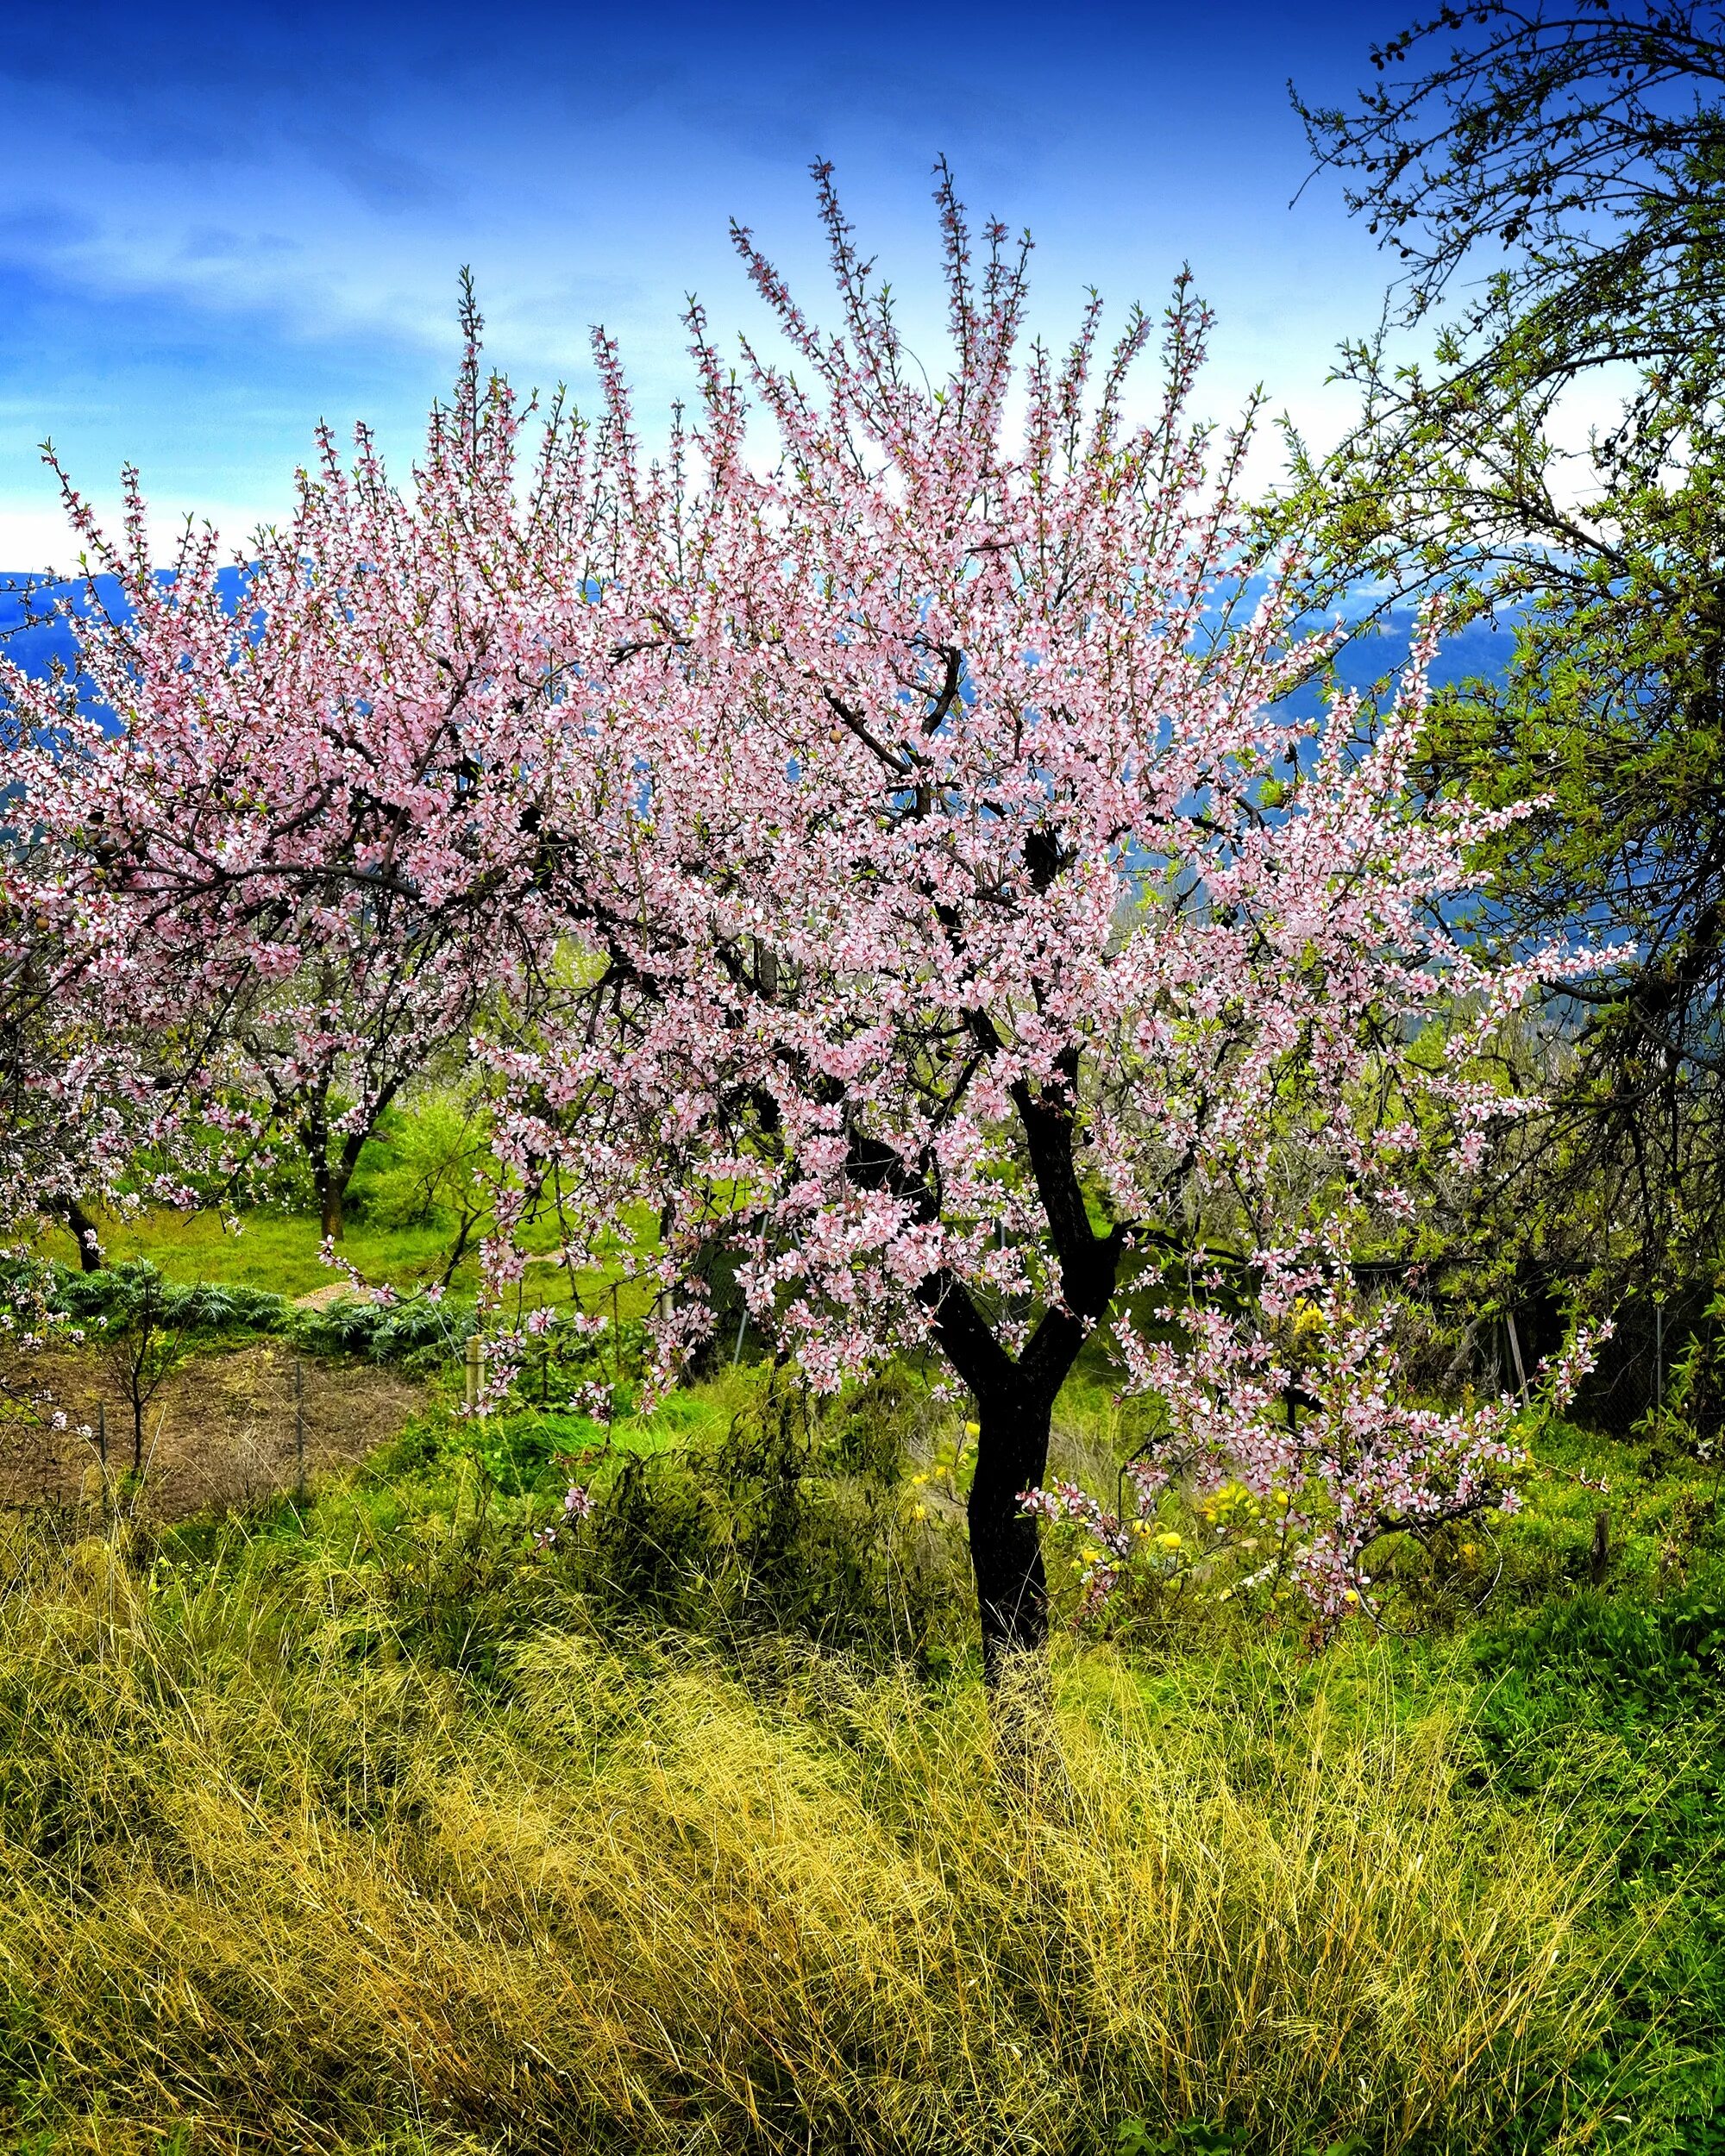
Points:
(470, 1390)
(1660, 1357)
(299, 1427)
(1516, 1351)
(101, 1431)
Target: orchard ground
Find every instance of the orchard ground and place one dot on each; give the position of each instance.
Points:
(408, 1814)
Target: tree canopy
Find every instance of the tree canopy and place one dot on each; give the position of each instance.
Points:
(1552, 180)
(904, 868)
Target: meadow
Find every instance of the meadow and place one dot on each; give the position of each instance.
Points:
(399, 1814)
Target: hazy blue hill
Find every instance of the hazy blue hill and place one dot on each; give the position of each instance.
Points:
(1478, 649)
(33, 644)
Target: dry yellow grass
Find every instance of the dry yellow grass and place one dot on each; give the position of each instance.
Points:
(261, 1889)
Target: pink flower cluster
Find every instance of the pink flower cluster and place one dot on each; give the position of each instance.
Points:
(1292, 1448)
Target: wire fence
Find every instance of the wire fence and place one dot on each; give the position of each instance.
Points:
(226, 1431)
(1634, 1376)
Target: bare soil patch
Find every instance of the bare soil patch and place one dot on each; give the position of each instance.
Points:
(324, 1298)
(222, 1431)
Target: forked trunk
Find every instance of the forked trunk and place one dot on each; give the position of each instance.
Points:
(1015, 1395)
(332, 1177)
(331, 1185)
(1014, 1415)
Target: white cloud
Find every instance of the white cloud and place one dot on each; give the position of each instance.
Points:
(32, 537)
(35, 541)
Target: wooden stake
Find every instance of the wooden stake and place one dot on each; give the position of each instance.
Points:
(1515, 1350)
(1660, 1356)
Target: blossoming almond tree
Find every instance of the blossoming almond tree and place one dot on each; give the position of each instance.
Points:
(270, 822)
(945, 930)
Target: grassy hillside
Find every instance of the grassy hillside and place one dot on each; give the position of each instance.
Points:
(392, 1818)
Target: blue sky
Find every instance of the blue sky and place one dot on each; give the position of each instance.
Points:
(221, 224)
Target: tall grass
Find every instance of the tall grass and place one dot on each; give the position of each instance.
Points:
(265, 1883)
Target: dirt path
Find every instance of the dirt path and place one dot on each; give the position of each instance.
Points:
(223, 1430)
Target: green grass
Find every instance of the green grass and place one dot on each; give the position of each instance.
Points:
(382, 1820)
(275, 1250)
(369, 1821)
(281, 1251)
(283, 1867)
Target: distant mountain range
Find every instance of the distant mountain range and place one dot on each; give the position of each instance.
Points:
(1479, 649)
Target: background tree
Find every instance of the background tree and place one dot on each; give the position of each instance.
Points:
(141, 1335)
(1552, 178)
(277, 878)
(438, 1165)
(326, 1055)
(66, 1095)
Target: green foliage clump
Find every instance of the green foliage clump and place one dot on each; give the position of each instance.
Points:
(741, 1508)
(1612, 1702)
(418, 1334)
(788, 1522)
(114, 1299)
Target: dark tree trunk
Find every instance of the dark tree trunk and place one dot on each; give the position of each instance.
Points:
(314, 1138)
(329, 1177)
(330, 1182)
(1006, 1549)
(83, 1232)
(1014, 1396)
(1014, 1414)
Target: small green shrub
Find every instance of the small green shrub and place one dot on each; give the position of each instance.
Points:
(780, 1515)
(416, 1334)
(110, 1300)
